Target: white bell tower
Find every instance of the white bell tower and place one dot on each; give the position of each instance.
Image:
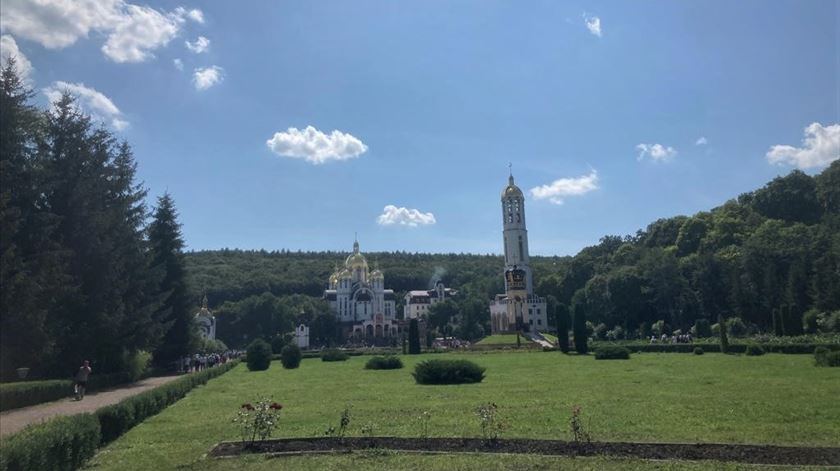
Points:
(515, 233)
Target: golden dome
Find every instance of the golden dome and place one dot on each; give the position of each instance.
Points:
(344, 274)
(511, 190)
(376, 275)
(333, 278)
(356, 259)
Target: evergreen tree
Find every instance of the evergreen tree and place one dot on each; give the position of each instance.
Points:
(724, 340)
(166, 249)
(579, 329)
(413, 337)
(562, 313)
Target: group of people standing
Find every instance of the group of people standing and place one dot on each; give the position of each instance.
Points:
(202, 361)
(682, 338)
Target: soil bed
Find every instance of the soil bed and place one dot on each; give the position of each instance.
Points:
(756, 454)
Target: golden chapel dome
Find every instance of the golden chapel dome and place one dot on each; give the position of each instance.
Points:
(376, 275)
(344, 274)
(356, 259)
(511, 190)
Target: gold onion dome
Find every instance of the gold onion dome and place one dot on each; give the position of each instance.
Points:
(511, 190)
(356, 259)
(377, 275)
(344, 274)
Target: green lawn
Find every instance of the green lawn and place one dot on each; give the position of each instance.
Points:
(502, 339)
(780, 399)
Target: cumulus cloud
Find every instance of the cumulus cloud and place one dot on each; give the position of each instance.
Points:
(701, 141)
(559, 189)
(405, 217)
(194, 14)
(820, 147)
(178, 64)
(207, 77)
(132, 31)
(315, 146)
(9, 48)
(593, 24)
(90, 101)
(656, 152)
(198, 46)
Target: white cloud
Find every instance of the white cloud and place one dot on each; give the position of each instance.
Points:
(91, 101)
(656, 152)
(9, 48)
(194, 14)
(820, 147)
(564, 187)
(178, 64)
(405, 217)
(132, 31)
(198, 46)
(701, 141)
(316, 147)
(593, 24)
(206, 77)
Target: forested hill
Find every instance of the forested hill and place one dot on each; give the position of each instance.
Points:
(773, 249)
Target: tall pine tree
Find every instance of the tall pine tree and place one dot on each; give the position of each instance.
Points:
(166, 251)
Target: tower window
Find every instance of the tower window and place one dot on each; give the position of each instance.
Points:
(521, 252)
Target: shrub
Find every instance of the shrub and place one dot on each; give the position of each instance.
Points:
(612, 352)
(290, 357)
(448, 372)
(754, 350)
(489, 422)
(724, 340)
(413, 337)
(384, 363)
(616, 334)
(258, 355)
(832, 359)
(825, 357)
(563, 328)
(333, 354)
(14, 395)
(63, 443)
(698, 350)
(579, 329)
(138, 363)
(736, 327)
(257, 420)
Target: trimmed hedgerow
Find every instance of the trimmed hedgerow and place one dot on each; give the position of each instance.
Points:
(754, 350)
(612, 352)
(384, 363)
(117, 419)
(290, 357)
(792, 348)
(698, 350)
(258, 355)
(448, 372)
(825, 357)
(333, 354)
(28, 393)
(63, 443)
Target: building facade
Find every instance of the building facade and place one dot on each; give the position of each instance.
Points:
(206, 321)
(518, 308)
(418, 302)
(359, 300)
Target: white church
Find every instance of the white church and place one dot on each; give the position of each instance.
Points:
(359, 300)
(518, 308)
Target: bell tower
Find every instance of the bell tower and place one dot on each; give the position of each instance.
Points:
(515, 234)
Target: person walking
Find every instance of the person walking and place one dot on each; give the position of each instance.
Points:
(81, 380)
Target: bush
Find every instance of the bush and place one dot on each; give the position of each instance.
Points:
(384, 363)
(258, 355)
(14, 395)
(63, 443)
(736, 327)
(138, 363)
(290, 357)
(698, 350)
(825, 357)
(448, 372)
(333, 354)
(754, 350)
(612, 352)
(413, 337)
(702, 328)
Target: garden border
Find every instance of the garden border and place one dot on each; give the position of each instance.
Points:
(754, 454)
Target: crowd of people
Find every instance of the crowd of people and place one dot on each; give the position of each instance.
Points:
(202, 361)
(665, 338)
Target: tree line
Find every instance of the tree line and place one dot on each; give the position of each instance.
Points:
(86, 272)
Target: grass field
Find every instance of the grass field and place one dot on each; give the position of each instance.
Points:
(778, 399)
(502, 339)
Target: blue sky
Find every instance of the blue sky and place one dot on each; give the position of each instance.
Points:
(599, 104)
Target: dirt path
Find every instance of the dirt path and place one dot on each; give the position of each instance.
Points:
(13, 420)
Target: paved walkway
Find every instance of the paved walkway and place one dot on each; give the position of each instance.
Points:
(13, 420)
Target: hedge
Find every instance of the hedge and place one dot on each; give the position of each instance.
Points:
(612, 352)
(384, 363)
(825, 357)
(715, 348)
(448, 372)
(754, 350)
(333, 354)
(65, 443)
(28, 393)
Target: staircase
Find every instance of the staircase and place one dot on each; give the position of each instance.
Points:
(538, 338)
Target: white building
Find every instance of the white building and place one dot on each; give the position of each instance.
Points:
(302, 336)
(518, 308)
(418, 302)
(359, 300)
(206, 321)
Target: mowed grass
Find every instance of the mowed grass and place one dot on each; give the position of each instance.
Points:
(502, 339)
(773, 399)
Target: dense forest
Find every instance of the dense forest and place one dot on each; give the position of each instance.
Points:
(87, 271)
(770, 258)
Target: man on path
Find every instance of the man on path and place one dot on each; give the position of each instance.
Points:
(81, 380)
